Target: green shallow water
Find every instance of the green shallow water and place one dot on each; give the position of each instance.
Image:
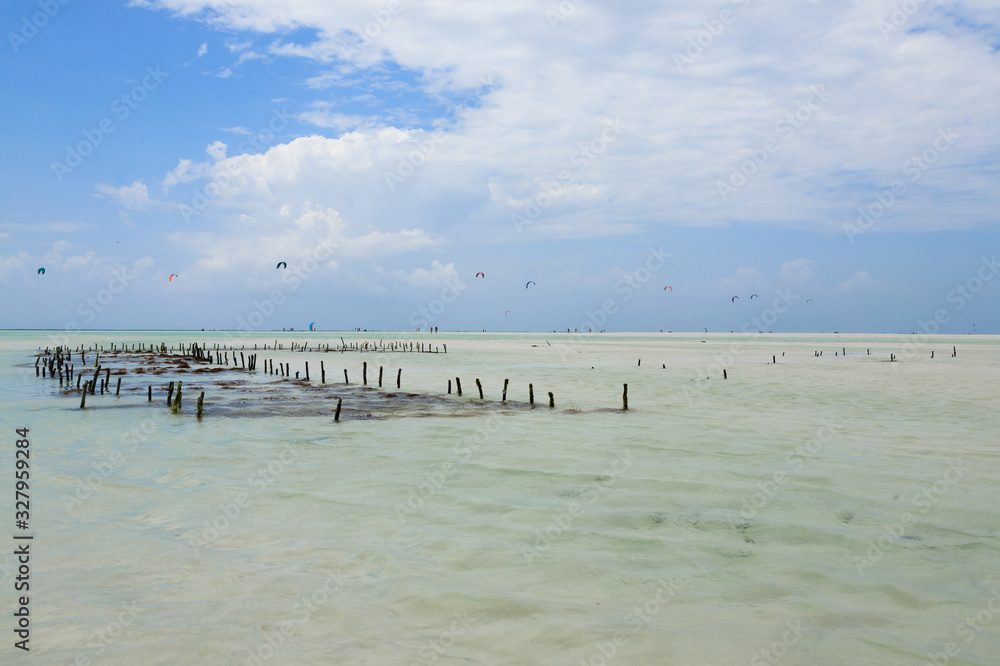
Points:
(822, 510)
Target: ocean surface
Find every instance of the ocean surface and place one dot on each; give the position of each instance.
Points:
(834, 509)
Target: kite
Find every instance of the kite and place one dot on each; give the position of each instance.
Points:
(280, 264)
(809, 300)
(506, 314)
(735, 298)
(753, 296)
(483, 274)
(172, 276)
(312, 326)
(41, 271)
(529, 282)
(668, 287)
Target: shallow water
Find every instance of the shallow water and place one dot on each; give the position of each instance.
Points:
(818, 510)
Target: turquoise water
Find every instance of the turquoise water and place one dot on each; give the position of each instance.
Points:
(816, 510)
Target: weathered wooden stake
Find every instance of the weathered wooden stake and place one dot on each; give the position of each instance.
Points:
(346, 381)
(552, 400)
(336, 416)
(307, 370)
(625, 398)
(399, 377)
(932, 354)
(177, 399)
(170, 394)
(479, 385)
(380, 376)
(531, 394)
(201, 403)
(774, 360)
(149, 393)
(322, 372)
(119, 387)
(724, 375)
(505, 390)
(458, 385)
(364, 373)
(449, 387)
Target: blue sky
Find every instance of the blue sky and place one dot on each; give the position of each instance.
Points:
(563, 143)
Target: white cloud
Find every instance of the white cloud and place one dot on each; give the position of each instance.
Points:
(438, 275)
(797, 270)
(203, 49)
(860, 280)
(130, 197)
(555, 85)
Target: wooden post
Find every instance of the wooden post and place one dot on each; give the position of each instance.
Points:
(170, 394)
(177, 399)
(724, 375)
(93, 382)
(149, 394)
(399, 377)
(479, 385)
(954, 352)
(201, 403)
(380, 376)
(505, 390)
(458, 385)
(774, 360)
(346, 381)
(322, 372)
(78, 380)
(449, 387)
(639, 363)
(364, 373)
(307, 370)
(288, 370)
(531, 394)
(242, 361)
(336, 417)
(932, 354)
(83, 396)
(552, 400)
(119, 387)
(625, 398)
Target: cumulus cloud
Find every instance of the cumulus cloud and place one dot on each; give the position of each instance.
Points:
(203, 49)
(694, 117)
(130, 197)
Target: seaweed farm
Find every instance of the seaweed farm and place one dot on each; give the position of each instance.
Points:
(827, 498)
